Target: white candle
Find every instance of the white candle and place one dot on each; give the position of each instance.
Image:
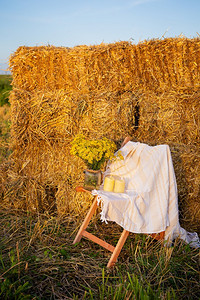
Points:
(119, 186)
(108, 184)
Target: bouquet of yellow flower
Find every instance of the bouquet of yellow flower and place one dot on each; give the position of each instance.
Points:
(94, 152)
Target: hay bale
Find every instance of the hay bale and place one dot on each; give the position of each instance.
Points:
(43, 125)
(186, 160)
(123, 66)
(170, 116)
(149, 91)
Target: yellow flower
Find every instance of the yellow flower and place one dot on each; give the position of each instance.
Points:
(94, 152)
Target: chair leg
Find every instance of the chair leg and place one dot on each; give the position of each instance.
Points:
(158, 236)
(86, 221)
(118, 249)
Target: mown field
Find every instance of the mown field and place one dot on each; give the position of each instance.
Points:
(39, 261)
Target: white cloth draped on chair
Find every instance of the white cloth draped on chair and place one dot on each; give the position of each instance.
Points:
(150, 202)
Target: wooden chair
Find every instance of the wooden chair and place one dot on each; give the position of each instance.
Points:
(84, 233)
(115, 250)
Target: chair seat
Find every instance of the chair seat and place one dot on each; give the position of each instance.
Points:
(115, 250)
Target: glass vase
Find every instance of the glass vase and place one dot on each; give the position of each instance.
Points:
(92, 179)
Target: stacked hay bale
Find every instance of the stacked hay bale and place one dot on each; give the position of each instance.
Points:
(149, 91)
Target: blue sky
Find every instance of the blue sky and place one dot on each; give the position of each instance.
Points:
(90, 22)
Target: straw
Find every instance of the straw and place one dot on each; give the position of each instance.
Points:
(148, 91)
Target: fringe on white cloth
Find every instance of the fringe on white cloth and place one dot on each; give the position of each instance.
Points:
(150, 202)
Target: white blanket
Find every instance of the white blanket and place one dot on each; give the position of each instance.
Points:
(149, 203)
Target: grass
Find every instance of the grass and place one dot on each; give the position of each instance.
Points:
(5, 88)
(39, 261)
(4, 132)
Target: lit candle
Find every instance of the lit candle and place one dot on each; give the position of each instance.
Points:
(119, 186)
(108, 184)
